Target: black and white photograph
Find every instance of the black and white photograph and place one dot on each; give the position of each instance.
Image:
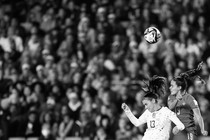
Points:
(104, 69)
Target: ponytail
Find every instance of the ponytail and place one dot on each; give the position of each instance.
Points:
(185, 78)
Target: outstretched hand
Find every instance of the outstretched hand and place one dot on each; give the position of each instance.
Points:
(125, 107)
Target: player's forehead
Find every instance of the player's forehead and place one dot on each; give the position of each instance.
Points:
(146, 101)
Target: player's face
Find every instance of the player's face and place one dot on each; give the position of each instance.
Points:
(148, 105)
(174, 88)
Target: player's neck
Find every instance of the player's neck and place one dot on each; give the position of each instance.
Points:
(183, 92)
(157, 108)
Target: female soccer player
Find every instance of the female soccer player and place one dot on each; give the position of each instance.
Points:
(158, 118)
(184, 104)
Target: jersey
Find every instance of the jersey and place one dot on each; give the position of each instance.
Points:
(184, 110)
(158, 123)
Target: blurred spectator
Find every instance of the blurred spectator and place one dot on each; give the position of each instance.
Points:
(48, 118)
(86, 125)
(101, 134)
(29, 125)
(48, 20)
(41, 74)
(123, 132)
(26, 75)
(74, 104)
(68, 127)
(46, 133)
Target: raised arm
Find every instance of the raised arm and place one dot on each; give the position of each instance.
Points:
(196, 111)
(132, 118)
(199, 118)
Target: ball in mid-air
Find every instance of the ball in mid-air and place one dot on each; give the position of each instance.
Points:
(152, 35)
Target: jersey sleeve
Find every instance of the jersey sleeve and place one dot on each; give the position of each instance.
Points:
(137, 122)
(191, 102)
(171, 98)
(143, 118)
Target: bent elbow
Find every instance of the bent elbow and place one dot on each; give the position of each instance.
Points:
(137, 124)
(181, 127)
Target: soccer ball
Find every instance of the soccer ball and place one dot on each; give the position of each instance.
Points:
(152, 35)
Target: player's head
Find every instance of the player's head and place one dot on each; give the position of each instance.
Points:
(182, 81)
(155, 90)
(150, 101)
(156, 87)
(178, 84)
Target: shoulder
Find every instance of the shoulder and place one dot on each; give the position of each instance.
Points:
(188, 95)
(145, 114)
(167, 111)
(146, 111)
(189, 98)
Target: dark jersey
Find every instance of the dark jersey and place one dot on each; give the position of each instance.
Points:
(184, 110)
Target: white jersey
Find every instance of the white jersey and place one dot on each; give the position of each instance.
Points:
(158, 123)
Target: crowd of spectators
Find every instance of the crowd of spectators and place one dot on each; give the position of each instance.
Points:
(67, 65)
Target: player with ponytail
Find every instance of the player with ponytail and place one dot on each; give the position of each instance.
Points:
(184, 104)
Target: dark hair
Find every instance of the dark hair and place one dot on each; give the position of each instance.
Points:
(150, 96)
(185, 79)
(156, 88)
(182, 82)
